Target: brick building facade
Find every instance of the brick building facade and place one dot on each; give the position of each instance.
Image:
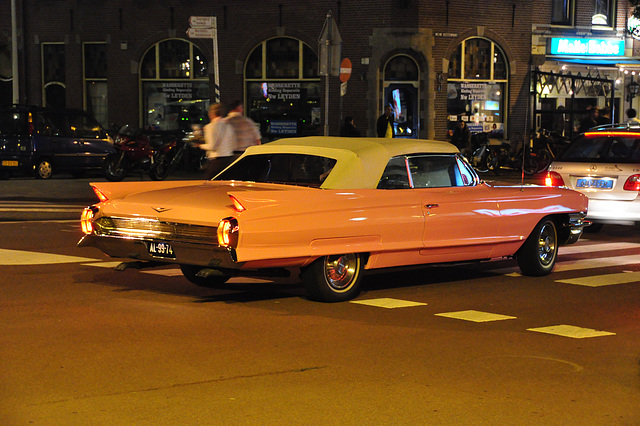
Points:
(435, 61)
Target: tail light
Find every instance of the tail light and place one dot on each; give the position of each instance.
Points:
(632, 184)
(228, 232)
(553, 179)
(101, 195)
(237, 204)
(86, 220)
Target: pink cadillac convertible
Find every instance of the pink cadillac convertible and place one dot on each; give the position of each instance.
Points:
(331, 208)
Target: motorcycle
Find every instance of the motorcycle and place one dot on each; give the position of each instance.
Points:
(512, 155)
(136, 150)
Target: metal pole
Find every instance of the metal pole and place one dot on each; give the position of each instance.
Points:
(216, 68)
(14, 53)
(326, 82)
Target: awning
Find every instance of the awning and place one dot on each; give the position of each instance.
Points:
(617, 62)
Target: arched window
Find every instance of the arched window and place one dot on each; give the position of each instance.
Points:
(6, 77)
(174, 86)
(283, 88)
(53, 75)
(477, 86)
(400, 90)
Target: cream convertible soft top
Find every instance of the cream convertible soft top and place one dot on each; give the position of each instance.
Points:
(360, 161)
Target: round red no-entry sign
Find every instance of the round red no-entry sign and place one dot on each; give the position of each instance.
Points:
(345, 70)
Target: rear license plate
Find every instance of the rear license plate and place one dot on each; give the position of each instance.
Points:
(594, 183)
(9, 163)
(161, 250)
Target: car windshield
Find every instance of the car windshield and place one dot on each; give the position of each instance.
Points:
(294, 169)
(604, 149)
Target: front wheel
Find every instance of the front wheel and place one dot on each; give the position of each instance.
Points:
(115, 167)
(43, 169)
(493, 162)
(334, 278)
(538, 254)
(479, 160)
(212, 281)
(160, 168)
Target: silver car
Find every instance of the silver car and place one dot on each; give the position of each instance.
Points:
(604, 164)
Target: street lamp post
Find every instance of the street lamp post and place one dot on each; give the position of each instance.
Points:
(632, 91)
(14, 53)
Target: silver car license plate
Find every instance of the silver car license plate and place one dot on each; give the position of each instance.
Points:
(159, 249)
(594, 183)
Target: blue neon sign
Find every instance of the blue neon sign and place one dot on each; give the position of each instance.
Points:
(587, 47)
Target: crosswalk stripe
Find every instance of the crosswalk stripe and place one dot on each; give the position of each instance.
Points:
(20, 257)
(39, 206)
(591, 248)
(387, 303)
(579, 265)
(601, 262)
(571, 331)
(475, 316)
(604, 280)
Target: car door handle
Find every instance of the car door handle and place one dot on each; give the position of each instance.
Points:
(430, 206)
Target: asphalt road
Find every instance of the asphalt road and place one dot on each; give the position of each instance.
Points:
(473, 344)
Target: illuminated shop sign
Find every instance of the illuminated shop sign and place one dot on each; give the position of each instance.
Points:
(281, 91)
(633, 26)
(587, 47)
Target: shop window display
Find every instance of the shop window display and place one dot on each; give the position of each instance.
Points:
(477, 87)
(283, 89)
(175, 86)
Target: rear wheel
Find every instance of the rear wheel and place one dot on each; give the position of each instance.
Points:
(544, 160)
(211, 281)
(538, 254)
(43, 169)
(334, 278)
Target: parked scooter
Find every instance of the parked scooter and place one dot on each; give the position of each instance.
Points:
(137, 151)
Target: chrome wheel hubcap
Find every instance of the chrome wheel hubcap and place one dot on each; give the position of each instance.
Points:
(340, 271)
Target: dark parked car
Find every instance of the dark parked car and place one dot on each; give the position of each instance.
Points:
(40, 141)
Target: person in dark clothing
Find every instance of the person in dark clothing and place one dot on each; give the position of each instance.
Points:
(349, 129)
(605, 116)
(461, 137)
(384, 126)
(590, 120)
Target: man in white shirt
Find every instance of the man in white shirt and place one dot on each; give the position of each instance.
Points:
(631, 117)
(219, 141)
